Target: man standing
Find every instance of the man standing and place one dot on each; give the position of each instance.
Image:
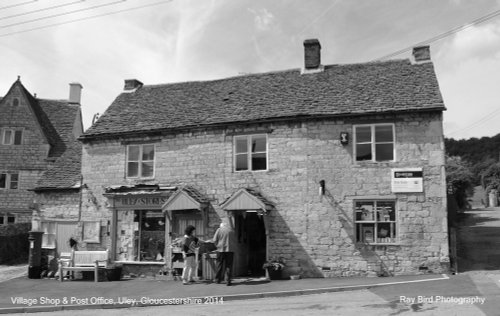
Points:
(224, 240)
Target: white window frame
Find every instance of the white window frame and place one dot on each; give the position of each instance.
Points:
(249, 138)
(8, 180)
(49, 235)
(375, 222)
(373, 143)
(11, 140)
(139, 161)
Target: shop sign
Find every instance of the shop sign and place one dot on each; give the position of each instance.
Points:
(407, 180)
(140, 201)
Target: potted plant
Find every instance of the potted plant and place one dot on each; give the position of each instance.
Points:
(274, 266)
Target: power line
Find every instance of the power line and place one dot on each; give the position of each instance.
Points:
(40, 10)
(86, 18)
(478, 122)
(61, 14)
(443, 35)
(17, 4)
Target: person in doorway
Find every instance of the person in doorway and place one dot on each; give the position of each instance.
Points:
(189, 245)
(73, 243)
(224, 240)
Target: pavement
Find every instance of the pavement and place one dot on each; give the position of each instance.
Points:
(23, 295)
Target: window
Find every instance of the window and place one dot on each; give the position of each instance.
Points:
(140, 161)
(12, 137)
(49, 235)
(9, 181)
(15, 101)
(375, 222)
(374, 142)
(250, 152)
(7, 219)
(149, 235)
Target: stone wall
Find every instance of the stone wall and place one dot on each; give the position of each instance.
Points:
(314, 233)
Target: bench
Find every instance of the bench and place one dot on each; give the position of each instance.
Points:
(83, 260)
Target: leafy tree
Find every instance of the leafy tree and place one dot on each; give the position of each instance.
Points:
(459, 179)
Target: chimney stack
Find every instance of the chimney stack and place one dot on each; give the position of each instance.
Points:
(75, 93)
(422, 54)
(312, 56)
(132, 84)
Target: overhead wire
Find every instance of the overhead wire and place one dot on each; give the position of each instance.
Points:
(480, 20)
(86, 18)
(62, 14)
(477, 123)
(41, 10)
(17, 4)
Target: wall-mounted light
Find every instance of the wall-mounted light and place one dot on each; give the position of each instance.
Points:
(322, 187)
(344, 138)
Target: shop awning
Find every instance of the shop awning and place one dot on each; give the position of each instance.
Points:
(247, 200)
(186, 198)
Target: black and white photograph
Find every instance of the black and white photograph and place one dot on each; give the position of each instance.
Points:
(278, 157)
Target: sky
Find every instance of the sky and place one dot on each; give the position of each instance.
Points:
(100, 43)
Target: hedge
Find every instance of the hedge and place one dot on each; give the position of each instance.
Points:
(14, 244)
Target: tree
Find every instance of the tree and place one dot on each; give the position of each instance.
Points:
(459, 180)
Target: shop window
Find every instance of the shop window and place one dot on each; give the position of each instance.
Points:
(149, 235)
(49, 235)
(140, 161)
(9, 181)
(376, 222)
(250, 152)
(12, 137)
(374, 142)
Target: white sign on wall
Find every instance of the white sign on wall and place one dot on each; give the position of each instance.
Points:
(407, 180)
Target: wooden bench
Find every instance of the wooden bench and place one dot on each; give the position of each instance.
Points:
(82, 260)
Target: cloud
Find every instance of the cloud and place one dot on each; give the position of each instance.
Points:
(263, 19)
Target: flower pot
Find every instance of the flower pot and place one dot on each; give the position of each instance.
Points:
(274, 274)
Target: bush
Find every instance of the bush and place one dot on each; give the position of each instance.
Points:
(14, 244)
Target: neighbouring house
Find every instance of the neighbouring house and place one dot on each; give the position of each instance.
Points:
(336, 169)
(39, 154)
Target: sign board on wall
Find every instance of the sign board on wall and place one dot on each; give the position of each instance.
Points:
(407, 180)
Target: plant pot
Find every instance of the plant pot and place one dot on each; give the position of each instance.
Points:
(274, 274)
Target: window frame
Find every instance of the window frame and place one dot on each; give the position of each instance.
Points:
(249, 153)
(373, 142)
(375, 221)
(8, 181)
(48, 243)
(139, 161)
(5, 218)
(12, 138)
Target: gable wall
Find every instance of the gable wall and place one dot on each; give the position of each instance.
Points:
(315, 234)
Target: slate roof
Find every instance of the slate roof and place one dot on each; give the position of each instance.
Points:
(340, 90)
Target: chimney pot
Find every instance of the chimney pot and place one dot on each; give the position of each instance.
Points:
(422, 54)
(312, 54)
(132, 84)
(75, 93)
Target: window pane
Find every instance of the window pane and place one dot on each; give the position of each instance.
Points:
(241, 162)
(147, 169)
(152, 235)
(365, 211)
(11, 219)
(259, 143)
(7, 134)
(384, 152)
(241, 145)
(3, 179)
(133, 153)
(14, 179)
(383, 133)
(132, 169)
(363, 152)
(148, 152)
(386, 211)
(259, 162)
(18, 136)
(363, 134)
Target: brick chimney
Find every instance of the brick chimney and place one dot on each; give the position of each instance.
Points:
(75, 93)
(422, 54)
(312, 56)
(132, 85)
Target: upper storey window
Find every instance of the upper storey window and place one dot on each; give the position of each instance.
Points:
(12, 137)
(374, 142)
(140, 161)
(250, 152)
(9, 181)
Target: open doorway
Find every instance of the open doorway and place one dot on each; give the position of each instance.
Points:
(251, 251)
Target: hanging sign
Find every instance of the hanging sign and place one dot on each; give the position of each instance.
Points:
(407, 180)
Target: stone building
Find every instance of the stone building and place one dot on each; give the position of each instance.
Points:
(337, 169)
(38, 138)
